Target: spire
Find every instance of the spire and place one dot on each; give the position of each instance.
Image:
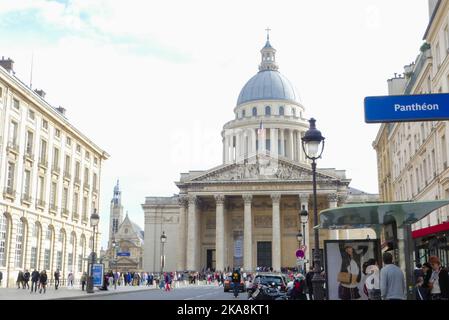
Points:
(268, 55)
(117, 194)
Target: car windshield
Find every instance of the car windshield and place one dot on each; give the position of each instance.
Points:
(269, 280)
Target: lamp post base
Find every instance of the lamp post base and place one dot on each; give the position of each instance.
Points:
(90, 285)
(318, 286)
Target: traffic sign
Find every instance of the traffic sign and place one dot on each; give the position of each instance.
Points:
(407, 108)
(123, 254)
(299, 254)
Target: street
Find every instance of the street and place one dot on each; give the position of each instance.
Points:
(186, 293)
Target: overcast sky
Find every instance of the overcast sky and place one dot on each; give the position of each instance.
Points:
(153, 82)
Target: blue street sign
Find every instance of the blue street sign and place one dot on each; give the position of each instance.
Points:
(407, 108)
(123, 254)
(97, 274)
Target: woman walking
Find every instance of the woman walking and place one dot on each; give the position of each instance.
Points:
(43, 281)
(439, 281)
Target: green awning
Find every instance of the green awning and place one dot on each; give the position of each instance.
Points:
(355, 216)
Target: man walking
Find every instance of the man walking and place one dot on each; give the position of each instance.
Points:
(1, 278)
(26, 278)
(57, 275)
(392, 280)
(34, 280)
(236, 278)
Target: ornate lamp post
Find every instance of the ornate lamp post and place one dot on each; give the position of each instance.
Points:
(313, 141)
(163, 240)
(114, 250)
(94, 220)
(304, 217)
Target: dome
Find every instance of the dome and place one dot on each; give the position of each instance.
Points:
(268, 85)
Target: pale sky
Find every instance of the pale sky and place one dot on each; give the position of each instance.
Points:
(153, 82)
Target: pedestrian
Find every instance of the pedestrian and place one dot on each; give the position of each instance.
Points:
(34, 280)
(83, 280)
(70, 279)
(167, 281)
(26, 279)
(421, 293)
(1, 278)
(57, 274)
(418, 272)
(392, 280)
(43, 281)
(427, 271)
(309, 277)
(20, 279)
(439, 281)
(236, 278)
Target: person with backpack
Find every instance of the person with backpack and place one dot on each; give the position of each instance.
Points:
(236, 278)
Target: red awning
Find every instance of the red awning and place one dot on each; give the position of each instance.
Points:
(430, 230)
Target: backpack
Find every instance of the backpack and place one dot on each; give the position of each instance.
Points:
(235, 277)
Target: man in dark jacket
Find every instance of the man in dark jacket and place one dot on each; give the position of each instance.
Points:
(57, 276)
(34, 280)
(1, 278)
(236, 279)
(26, 278)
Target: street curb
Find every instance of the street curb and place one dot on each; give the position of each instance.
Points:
(101, 294)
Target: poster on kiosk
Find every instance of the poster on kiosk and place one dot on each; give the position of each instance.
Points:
(345, 262)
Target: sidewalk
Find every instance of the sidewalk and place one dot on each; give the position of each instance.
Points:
(64, 292)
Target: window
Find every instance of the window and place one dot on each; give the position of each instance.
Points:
(67, 164)
(65, 195)
(114, 225)
(61, 237)
(56, 158)
(10, 177)
(126, 230)
(33, 258)
(29, 143)
(13, 133)
(438, 55)
(254, 112)
(294, 112)
(43, 151)
(84, 208)
(77, 170)
(41, 190)
(59, 259)
(57, 133)
(31, 115)
(3, 239)
(95, 161)
(48, 234)
(94, 182)
(53, 194)
(72, 238)
(268, 111)
(70, 261)
(16, 104)
(47, 259)
(243, 113)
(444, 151)
(34, 232)
(1, 92)
(87, 155)
(86, 176)
(68, 141)
(44, 124)
(26, 183)
(75, 203)
(80, 263)
(281, 111)
(78, 148)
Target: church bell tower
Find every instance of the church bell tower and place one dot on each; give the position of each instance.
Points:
(116, 213)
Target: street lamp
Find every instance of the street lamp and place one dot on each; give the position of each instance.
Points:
(304, 217)
(114, 249)
(313, 141)
(163, 240)
(94, 220)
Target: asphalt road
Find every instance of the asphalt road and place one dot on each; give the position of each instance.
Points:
(186, 293)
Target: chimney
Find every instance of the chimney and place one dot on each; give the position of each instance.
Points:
(7, 64)
(40, 92)
(61, 110)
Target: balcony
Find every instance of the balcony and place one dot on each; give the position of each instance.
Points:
(65, 212)
(55, 169)
(67, 175)
(53, 208)
(28, 155)
(40, 203)
(26, 198)
(77, 181)
(43, 163)
(13, 147)
(9, 192)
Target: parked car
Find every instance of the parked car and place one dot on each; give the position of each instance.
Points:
(267, 279)
(228, 284)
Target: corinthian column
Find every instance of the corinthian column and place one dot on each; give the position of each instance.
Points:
(192, 237)
(276, 247)
(219, 233)
(247, 234)
(182, 234)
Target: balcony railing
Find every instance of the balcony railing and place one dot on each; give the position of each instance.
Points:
(26, 197)
(28, 155)
(43, 163)
(13, 146)
(9, 192)
(40, 203)
(55, 169)
(65, 212)
(67, 175)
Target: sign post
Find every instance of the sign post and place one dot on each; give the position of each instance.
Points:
(97, 274)
(407, 108)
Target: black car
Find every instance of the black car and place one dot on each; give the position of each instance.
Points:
(268, 279)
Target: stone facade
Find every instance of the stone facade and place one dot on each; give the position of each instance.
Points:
(50, 182)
